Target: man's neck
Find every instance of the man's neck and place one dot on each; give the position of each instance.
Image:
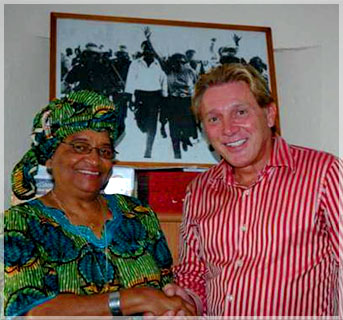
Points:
(248, 175)
(148, 60)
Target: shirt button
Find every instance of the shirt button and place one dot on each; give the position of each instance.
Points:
(239, 263)
(244, 228)
(229, 297)
(246, 192)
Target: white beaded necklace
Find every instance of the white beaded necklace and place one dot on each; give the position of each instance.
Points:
(71, 213)
(92, 226)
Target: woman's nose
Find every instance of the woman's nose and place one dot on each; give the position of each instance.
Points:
(94, 155)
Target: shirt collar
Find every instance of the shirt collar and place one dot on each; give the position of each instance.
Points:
(142, 61)
(281, 156)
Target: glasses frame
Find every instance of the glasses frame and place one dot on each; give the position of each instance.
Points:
(91, 148)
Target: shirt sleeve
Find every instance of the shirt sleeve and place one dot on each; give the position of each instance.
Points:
(28, 282)
(332, 206)
(190, 272)
(164, 83)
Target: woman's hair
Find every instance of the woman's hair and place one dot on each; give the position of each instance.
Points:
(232, 72)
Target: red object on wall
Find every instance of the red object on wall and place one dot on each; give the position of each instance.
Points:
(164, 191)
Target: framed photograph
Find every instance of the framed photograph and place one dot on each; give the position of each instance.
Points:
(148, 68)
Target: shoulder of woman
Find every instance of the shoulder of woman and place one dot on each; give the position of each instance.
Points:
(132, 207)
(20, 213)
(22, 207)
(128, 202)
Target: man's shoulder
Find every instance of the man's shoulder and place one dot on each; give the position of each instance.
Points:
(301, 153)
(309, 160)
(136, 62)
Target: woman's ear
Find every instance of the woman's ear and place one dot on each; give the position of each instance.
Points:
(109, 174)
(48, 165)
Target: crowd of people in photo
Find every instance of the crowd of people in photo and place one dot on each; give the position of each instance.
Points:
(156, 87)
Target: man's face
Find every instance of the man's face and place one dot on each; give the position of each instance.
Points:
(236, 126)
(179, 63)
(190, 55)
(148, 55)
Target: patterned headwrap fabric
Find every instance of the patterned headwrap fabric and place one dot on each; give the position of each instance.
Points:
(60, 118)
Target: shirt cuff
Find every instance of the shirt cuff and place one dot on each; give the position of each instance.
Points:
(197, 301)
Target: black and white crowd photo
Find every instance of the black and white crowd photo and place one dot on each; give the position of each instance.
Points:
(150, 71)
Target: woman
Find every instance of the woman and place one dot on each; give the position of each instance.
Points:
(75, 251)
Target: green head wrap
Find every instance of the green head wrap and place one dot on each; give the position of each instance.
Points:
(60, 118)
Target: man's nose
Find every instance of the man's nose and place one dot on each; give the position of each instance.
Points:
(229, 126)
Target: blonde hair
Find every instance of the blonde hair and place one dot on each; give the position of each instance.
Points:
(232, 72)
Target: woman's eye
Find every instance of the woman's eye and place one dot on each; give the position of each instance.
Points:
(80, 148)
(106, 151)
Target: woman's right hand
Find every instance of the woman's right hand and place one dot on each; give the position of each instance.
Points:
(153, 302)
(132, 301)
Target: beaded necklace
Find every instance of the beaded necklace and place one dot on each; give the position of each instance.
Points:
(71, 213)
(92, 226)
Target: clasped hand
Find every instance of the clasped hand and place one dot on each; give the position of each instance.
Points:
(173, 301)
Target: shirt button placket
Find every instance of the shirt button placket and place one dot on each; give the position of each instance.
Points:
(246, 192)
(228, 304)
(229, 298)
(239, 263)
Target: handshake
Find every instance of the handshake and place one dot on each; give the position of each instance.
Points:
(172, 301)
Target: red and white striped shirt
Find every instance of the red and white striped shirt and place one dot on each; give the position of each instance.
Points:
(270, 249)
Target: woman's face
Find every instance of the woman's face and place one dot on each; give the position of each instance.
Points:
(81, 174)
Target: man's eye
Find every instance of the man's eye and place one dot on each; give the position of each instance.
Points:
(212, 119)
(242, 112)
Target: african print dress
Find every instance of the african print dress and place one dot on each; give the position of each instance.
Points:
(45, 255)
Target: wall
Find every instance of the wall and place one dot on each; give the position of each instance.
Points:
(305, 40)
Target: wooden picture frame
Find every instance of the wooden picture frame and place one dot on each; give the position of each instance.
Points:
(92, 51)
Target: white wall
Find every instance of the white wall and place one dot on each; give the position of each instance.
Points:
(305, 39)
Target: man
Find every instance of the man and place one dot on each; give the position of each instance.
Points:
(147, 84)
(260, 232)
(260, 66)
(66, 61)
(182, 125)
(196, 65)
(119, 67)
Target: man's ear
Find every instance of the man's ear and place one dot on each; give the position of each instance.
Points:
(271, 112)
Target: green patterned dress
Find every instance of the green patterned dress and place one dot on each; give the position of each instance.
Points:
(45, 255)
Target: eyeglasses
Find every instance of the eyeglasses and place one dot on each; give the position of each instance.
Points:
(85, 148)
